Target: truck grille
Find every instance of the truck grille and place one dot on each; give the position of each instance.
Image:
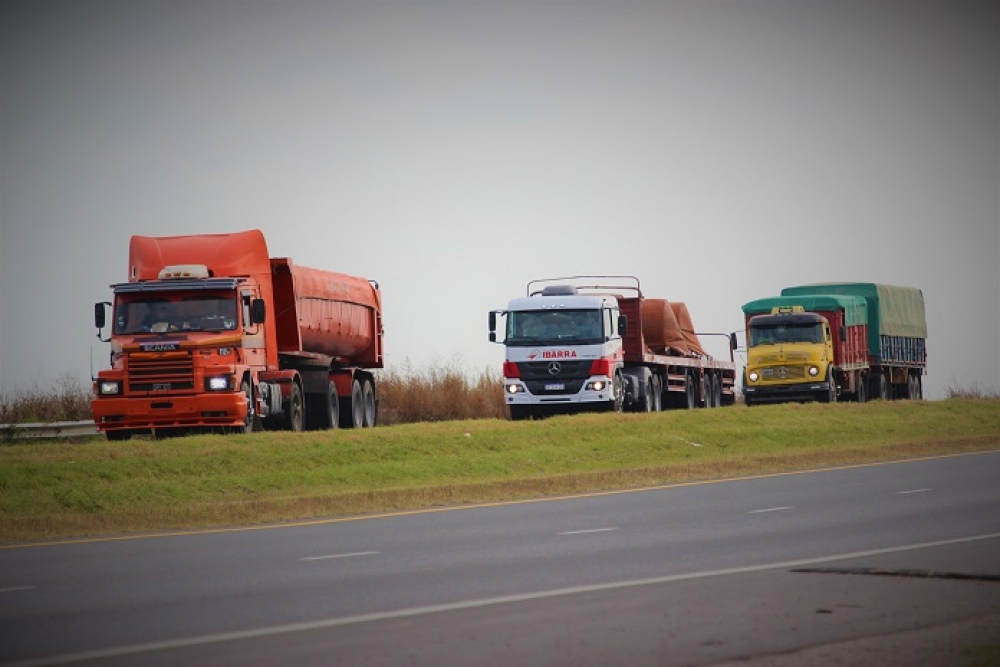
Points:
(161, 373)
(548, 370)
(783, 373)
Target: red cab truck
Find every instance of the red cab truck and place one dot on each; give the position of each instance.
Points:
(211, 333)
(585, 343)
(836, 340)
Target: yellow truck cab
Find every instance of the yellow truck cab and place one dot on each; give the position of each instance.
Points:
(789, 357)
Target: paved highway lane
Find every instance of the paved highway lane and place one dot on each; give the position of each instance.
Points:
(680, 575)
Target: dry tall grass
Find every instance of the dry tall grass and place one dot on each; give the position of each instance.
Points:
(68, 400)
(439, 394)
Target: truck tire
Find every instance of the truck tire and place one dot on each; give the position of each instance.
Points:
(880, 387)
(657, 394)
(712, 389)
(295, 415)
(249, 421)
(690, 393)
(520, 412)
(646, 402)
(118, 436)
(618, 393)
(324, 409)
(352, 409)
(830, 396)
(368, 403)
(861, 395)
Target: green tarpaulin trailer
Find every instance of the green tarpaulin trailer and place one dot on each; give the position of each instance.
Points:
(897, 324)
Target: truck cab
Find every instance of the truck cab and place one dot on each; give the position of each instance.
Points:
(181, 349)
(790, 356)
(563, 352)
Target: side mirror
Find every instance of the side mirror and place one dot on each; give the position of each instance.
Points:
(100, 317)
(493, 326)
(732, 341)
(258, 311)
(622, 325)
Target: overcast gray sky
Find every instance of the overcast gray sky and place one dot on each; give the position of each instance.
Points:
(454, 151)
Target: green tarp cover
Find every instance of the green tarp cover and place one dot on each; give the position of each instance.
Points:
(895, 311)
(855, 308)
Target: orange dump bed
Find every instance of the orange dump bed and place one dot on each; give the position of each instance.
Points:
(327, 313)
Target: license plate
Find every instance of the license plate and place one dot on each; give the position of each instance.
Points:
(555, 386)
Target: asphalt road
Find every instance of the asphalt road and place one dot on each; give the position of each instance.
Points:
(781, 567)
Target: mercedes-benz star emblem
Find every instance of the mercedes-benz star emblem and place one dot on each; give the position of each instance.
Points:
(554, 368)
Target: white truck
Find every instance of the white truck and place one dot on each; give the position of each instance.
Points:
(582, 343)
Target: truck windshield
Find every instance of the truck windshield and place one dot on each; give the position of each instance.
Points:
(162, 315)
(540, 327)
(770, 334)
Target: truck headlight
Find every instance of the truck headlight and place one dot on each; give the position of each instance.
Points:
(109, 388)
(813, 371)
(753, 376)
(597, 385)
(514, 388)
(220, 383)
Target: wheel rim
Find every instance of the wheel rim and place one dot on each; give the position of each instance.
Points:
(295, 409)
(357, 406)
(369, 404)
(248, 420)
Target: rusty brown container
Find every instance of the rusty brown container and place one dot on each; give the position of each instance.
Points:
(660, 328)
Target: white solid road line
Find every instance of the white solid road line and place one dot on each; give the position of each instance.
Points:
(14, 589)
(771, 509)
(333, 556)
(136, 649)
(903, 493)
(590, 530)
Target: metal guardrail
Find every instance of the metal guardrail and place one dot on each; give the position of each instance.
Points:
(48, 430)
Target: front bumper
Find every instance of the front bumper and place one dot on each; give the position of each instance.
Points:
(779, 393)
(147, 413)
(556, 393)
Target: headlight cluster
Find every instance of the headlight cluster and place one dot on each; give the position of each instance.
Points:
(109, 387)
(514, 388)
(813, 371)
(754, 376)
(597, 385)
(220, 383)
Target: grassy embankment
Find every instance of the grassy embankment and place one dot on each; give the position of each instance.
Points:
(58, 489)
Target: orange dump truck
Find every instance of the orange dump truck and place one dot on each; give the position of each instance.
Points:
(211, 333)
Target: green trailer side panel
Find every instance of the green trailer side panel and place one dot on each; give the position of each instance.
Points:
(894, 310)
(855, 307)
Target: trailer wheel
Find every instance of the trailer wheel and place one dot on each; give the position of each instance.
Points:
(657, 394)
(881, 387)
(861, 395)
(352, 414)
(713, 398)
(690, 395)
(918, 389)
(368, 402)
(295, 419)
(118, 436)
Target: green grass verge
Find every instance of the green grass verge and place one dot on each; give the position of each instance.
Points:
(61, 489)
